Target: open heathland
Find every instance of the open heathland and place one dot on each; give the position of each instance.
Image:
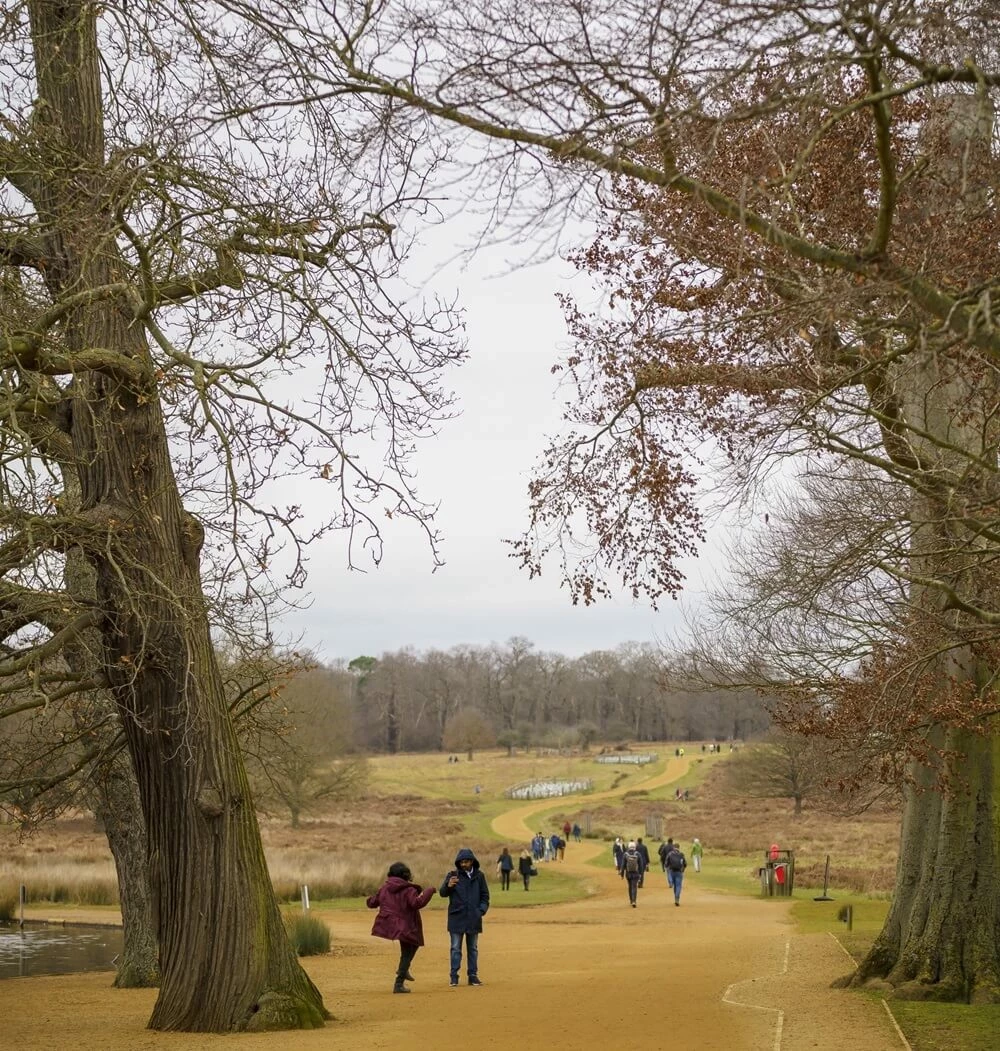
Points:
(728, 969)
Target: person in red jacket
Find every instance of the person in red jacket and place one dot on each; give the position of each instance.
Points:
(399, 902)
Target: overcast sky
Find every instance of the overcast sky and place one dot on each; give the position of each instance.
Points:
(478, 469)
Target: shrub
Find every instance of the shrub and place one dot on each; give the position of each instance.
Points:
(308, 935)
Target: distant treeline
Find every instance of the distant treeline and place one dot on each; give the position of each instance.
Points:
(409, 701)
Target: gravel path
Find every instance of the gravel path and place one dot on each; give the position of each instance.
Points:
(722, 973)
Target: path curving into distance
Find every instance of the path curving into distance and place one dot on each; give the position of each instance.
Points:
(720, 973)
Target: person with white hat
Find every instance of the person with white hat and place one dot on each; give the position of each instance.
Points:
(631, 870)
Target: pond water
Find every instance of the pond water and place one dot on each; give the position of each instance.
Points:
(42, 949)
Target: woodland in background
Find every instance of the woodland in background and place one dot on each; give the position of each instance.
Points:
(408, 701)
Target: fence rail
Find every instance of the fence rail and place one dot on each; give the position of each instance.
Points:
(635, 758)
(548, 788)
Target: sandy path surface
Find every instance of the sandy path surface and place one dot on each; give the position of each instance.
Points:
(721, 972)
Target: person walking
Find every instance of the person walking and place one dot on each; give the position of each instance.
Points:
(505, 866)
(644, 851)
(524, 866)
(663, 850)
(576, 832)
(675, 866)
(696, 852)
(399, 901)
(617, 849)
(566, 829)
(468, 896)
(631, 871)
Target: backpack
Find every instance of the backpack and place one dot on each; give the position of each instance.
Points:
(675, 861)
(631, 861)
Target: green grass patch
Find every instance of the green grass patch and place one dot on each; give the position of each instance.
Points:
(927, 1026)
(948, 1027)
(550, 886)
(308, 934)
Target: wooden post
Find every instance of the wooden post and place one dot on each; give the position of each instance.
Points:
(826, 882)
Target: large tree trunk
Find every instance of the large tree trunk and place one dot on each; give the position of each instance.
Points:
(114, 792)
(116, 804)
(941, 938)
(226, 962)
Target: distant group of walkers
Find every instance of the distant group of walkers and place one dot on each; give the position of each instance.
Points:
(631, 860)
(548, 848)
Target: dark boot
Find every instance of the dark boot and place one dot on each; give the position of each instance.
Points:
(408, 977)
(399, 987)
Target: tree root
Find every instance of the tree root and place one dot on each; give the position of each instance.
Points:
(281, 1010)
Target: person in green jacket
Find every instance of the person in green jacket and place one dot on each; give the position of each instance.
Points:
(696, 853)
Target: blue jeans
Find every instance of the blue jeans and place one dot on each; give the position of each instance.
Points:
(674, 881)
(471, 948)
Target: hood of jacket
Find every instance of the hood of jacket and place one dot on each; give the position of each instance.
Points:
(465, 853)
(396, 885)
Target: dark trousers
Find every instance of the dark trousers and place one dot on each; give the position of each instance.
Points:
(505, 879)
(633, 886)
(407, 950)
(525, 877)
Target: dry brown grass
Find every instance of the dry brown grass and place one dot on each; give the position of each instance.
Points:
(419, 805)
(344, 853)
(862, 848)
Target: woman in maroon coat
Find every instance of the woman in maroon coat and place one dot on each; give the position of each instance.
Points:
(399, 902)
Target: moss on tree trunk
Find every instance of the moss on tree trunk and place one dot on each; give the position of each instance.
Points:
(939, 941)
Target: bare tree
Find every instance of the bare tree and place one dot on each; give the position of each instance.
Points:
(786, 766)
(170, 256)
(300, 755)
(468, 730)
(800, 259)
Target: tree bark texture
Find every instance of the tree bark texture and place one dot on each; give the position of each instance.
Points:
(940, 939)
(113, 791)
(116, 804)
(226, 962)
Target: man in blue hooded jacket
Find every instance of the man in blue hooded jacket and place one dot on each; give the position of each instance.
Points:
(468, 897)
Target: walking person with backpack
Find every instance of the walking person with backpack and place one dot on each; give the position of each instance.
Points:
(663, 850)
(631, 870)
(675, 865)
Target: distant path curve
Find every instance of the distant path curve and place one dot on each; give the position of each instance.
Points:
(513, 824)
